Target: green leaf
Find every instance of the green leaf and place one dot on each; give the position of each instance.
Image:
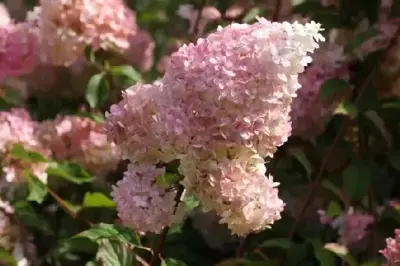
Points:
(127, 71)
(333, 87)
(394, 159)
(356, 179)
(6, 258)
(190, 201)
(113, 253)
(282, 243)
(97, 200)
(31, 219)
(300, 156)
(37, 189)
(110, 231)
(251, 15)
(334, 209)
(361, 38)
(19, 152)
(69, 171)
(347, 108)
(172, 262)
(342, 252)
(97, 90)
(166, 180)
(380, 125)
(324, 257)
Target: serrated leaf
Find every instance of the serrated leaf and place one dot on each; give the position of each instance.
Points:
(166, 180)
(394, 159)
(69, 171)
(31, 219)
(97, 90)
(19, 152)
(113, 253)
(110, 231)
(251, 15)
(172, 262)
(333, 87)
(6, 258)
(361, 38)
(37, 189)
(300, 156)
(282, 243)
(356, 179)
(97, 200)
(127, 71)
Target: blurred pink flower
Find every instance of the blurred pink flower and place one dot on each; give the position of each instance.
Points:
(19, 53)
(310, 113)
(80, 140)
(392, 250)
(140, 51)
(67, 26)
(17, 127)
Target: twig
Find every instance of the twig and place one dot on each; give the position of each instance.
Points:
(277, 10)
(197, 22)
(161, 240)
(339, 135)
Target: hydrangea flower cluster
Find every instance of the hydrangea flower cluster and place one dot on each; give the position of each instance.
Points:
(309, 112)
(66, 27)
(141, 204)
(18, 47)
(221, 107)
(17, 127)
(392, 250)
(79, 140)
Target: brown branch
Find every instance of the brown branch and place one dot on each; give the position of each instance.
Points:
(337, 138)
(277, 10)
(197, 22)
(163, 236)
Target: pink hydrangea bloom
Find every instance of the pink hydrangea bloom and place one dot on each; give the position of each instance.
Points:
(17, 127)
(133, 124)
(82, 141)
(238, 190)
(140, 203)
(67, 26)
(19, 52)
(392, 250)
(309, 112)
(245, 76)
